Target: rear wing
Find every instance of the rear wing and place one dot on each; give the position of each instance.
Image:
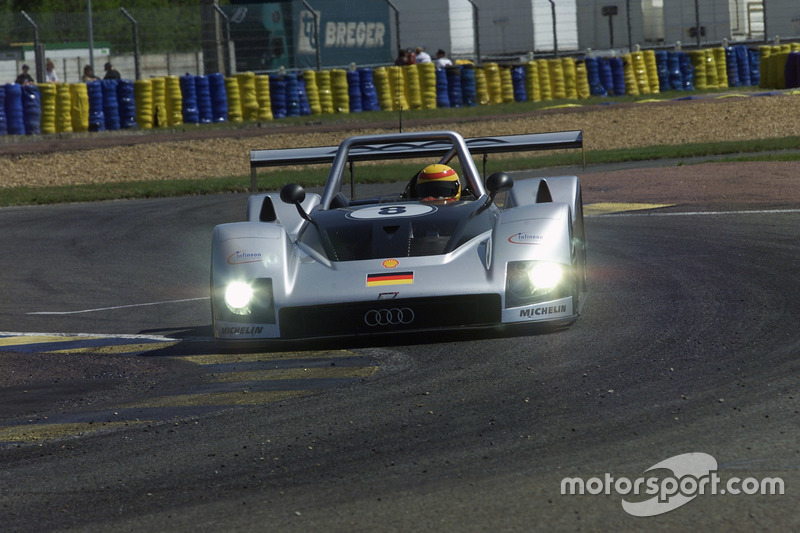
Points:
(398, 150)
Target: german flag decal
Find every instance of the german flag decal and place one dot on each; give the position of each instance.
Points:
(393, 278)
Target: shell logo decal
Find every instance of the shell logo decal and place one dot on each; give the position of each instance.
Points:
(390, 263)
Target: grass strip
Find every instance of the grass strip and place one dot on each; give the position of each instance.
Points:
(781, 149)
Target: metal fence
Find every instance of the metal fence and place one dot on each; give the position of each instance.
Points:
(298, 34)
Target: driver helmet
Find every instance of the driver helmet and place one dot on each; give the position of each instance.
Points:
(438, 182)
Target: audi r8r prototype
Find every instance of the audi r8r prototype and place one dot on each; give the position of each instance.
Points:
(447, 250)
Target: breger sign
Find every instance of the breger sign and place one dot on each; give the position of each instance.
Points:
(350, 31)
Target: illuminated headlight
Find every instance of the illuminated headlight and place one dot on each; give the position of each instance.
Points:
(545, 276)
(238, 297)
(529, 279)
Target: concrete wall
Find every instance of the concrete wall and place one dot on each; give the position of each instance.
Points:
(70, 69)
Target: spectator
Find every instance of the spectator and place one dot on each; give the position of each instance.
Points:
(111, 73)
(50, 72)
(441, 60)
(402, 58)
(25, 78)
(88, 74)
(421, 55)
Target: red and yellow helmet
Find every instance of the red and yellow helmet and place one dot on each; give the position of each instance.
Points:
(438, 182)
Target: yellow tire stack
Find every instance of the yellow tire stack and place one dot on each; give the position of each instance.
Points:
(582, 80)
(235, 113)
(160, 118)
(631, 84)
(640, 72)
(712, 82)
(506, 85)
(63, 108)
(556, 70)
(380, 77)
(764, 52)
(427, 84)
(481, 87)
(651, 67)
(247, 96)
(570, 78)
(413, 87)
(143, 94)
(721, 63)
(532, 82)
(545, 87)
(264, 99)
(79, 111)
(47, 121)
(325, 93)
(312, 92)
(494, 83)
(341, 95)
(174, 100)
(397, 88)
(698, 59)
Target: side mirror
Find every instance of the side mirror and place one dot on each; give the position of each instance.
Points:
(498, 182)
(295, 194)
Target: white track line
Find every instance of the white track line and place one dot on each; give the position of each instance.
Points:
(114, 307)
(695, 213)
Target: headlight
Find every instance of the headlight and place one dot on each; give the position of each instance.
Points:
(545, 276)
(238, 296)
(528, 280)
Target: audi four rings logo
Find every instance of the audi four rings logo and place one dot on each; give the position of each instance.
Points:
(389, 317)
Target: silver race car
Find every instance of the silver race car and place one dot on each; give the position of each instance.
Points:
(446, 251)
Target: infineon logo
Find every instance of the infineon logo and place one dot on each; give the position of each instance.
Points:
(526, 238)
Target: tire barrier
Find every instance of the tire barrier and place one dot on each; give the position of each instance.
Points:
(305, 107)
(341, 98)
(3, 122)
(468, 90)
(277, 89)
(442, 94)
(247, 96)
(203, 92)
(312, 92)
(172, 100)
(397, 89)
(234, 100)
(160, 116)
(143, 93)
(97, 120)
(582, 79)
(369, 95)
(12, 108)
(263, 96)
(127, 104)
(413, 88)
(506, 85)
(292, 95)
(219, 97)
(79, 108)
(110, 104)
(48, 93)
(325, 92)
(63, 108)
(570, 73)
(354, 90)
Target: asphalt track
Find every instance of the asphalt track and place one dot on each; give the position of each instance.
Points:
(688, 344)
